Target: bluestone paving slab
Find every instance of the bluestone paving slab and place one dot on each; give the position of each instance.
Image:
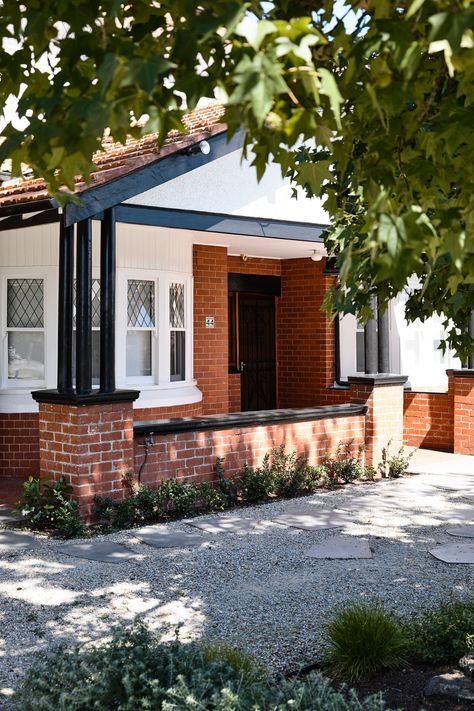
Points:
(341, 548)
(455, 553)
(8, 515)
(230, 524)
(13, 541)
(101, 551)
(168, 538)
(313, 519)
(463, 531)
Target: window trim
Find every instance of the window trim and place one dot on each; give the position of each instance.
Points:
(47, 275)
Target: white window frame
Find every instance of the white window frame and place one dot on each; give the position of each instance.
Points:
(160, 376)
(48, 275)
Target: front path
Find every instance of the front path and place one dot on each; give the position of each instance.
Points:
(258, 589)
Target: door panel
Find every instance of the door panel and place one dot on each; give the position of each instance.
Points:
(257, 351)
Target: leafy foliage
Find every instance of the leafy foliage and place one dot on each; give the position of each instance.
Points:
(363, 640)
(392, 466)
(133, 672)
(367, 105)
(48, 505)
(343, 465)
(443, 634)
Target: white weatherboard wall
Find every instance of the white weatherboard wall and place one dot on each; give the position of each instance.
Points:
(229, 186)
(142, 253)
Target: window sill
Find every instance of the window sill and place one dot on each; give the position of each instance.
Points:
(168, 395)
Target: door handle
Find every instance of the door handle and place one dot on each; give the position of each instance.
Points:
(242, 365)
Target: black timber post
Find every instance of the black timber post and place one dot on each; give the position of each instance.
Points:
(383, 341)
(65, 307)
(84, 308)
(107, 302)
(370, 341)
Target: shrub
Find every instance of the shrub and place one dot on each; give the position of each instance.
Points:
(48, 506)
(444, 634)
(290, 472)
(228, 488)
(395, 465)
(133, 672)
(365, 639)
(343, 465)
(257, 483)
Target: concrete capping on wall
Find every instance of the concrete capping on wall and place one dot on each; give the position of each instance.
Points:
(245, 419)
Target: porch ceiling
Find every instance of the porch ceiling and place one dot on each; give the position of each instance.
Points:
(265, 247)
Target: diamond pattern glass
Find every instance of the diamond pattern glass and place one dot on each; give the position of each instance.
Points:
(25, 303)
(95, 303)
(177, 305)
(141, 304)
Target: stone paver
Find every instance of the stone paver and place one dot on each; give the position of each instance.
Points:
(228, 524)
(463, 531)
(341, 548)
(313, 519)
(101, 551)
(9, 515)
(455, 553)
(159, 537)
(16, 541)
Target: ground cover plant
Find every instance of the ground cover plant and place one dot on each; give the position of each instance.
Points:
(443, 634)
(133, 672)
(48, 505)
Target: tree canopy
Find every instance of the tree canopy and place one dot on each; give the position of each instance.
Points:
(367, 104)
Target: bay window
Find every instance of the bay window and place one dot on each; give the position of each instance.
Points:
(25, 333)
(141, 327)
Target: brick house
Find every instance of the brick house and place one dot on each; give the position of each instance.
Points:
(178, 306)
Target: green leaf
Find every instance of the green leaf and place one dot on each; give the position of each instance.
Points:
(331, 90)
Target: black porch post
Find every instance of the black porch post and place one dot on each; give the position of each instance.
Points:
(383, 341)
(370, 341)
(65, 307)
(84, 308)
(107, 302)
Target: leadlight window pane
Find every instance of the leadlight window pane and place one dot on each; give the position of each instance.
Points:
(177, 305)
(26, 355)
(139, 352)
(25, 303)
(95, 297)
(141, 304)
(177, 355)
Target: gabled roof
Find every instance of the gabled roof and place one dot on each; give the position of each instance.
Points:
(116, 160)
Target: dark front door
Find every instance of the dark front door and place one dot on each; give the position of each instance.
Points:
(257, 351)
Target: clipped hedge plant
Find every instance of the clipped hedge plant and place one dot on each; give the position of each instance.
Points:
(133, 672)
(443, 634)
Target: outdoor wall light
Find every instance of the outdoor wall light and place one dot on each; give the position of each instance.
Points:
(201, 147)
(316, 256)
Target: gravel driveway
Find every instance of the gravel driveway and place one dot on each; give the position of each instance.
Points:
(259, 590)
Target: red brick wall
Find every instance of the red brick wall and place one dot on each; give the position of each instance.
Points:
(254, 265)
(306, 337)
(19, 449)
(463, 392)
(191, 456)
(91, 446)
(234, 392)
(428, 420)
(146, 414)
(211, 344)
(384, 419)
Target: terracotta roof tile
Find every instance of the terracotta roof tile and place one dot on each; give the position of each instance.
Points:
(118, 159)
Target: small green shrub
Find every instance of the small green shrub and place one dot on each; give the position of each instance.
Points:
(370, 473)
(228, 487)
(363, 640)
(133, 672)
(343, 466)
(444, 634)
(48, 506)
(257, 484)
(393, 466)
(290, 472)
